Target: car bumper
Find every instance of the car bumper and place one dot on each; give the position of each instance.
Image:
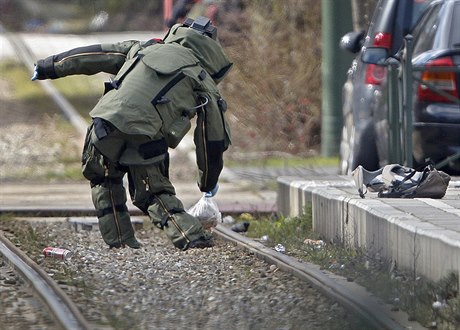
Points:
(437, 113)
(436, 141)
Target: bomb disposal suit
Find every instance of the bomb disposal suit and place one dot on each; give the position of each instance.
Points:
(146, 109)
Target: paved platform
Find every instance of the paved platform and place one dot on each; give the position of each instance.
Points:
(68, 199)
(421, 235)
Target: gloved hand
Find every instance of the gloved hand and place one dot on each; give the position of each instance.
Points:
(212, 192)
(35, 74)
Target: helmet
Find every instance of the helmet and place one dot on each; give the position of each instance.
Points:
(202, 25)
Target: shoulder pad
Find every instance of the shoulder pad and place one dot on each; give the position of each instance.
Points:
(168, 58)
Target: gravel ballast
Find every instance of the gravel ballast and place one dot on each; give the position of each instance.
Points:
(161, 287)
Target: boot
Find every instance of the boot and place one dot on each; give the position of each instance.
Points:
(184, 230)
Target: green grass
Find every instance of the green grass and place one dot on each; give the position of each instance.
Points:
(19, 78)
(279, 162)
(71, 172)
(289, 231)
(32, 104)
(82, 91)
(23, 91)
(23, 235)
(80, 85)
(73, 86)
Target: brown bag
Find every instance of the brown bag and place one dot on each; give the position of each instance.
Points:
(404, 182)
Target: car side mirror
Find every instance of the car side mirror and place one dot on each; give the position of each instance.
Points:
(352, 41)
(375, 55)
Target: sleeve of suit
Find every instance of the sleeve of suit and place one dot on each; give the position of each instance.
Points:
(212, 138)
(86, 60)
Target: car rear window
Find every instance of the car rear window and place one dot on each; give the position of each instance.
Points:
(387, 11)
(418, 10)
(390, 17)
(455, 41)
(425, 32)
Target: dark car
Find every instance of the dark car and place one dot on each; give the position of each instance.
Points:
(364, 132)
(436, 107)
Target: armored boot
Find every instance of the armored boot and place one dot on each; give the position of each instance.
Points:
(184, 230)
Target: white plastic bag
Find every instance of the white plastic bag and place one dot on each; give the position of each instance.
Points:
(207, 211)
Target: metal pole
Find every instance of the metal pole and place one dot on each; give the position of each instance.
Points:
(394, 127)
(336, 21)
(407, 97)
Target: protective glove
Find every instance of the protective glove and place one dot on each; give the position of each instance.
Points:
(36, 74)
(212, 192)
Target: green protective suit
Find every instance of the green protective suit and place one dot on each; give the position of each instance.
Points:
(146, 109)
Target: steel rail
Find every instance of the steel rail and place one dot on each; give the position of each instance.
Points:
(61, 308)
(348, 294)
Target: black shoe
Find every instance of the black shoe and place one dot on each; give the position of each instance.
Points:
(133, 243)
(201, 243)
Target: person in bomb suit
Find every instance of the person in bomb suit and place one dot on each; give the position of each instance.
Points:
(158, 87)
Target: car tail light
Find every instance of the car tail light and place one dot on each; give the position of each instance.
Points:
(375, 74)
(444, 80)
(382, 39)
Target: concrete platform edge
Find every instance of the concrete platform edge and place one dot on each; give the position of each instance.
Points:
(411, 241)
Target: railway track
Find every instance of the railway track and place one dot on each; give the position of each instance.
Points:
(60, 307)
(348, 294)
